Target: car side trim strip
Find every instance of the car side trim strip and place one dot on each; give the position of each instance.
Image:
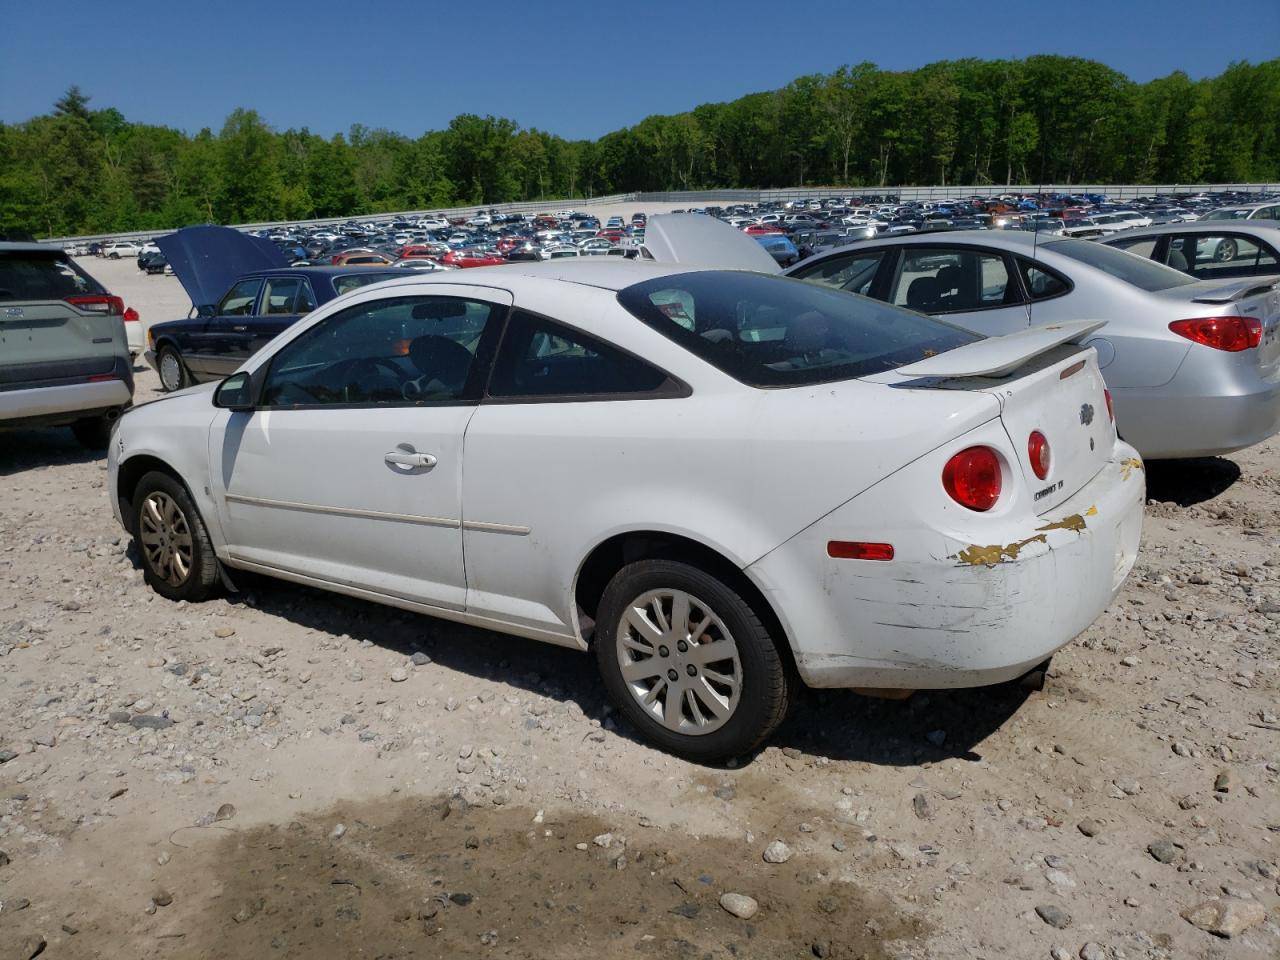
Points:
(344, 511)
(483, 527)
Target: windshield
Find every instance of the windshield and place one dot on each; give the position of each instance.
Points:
(771, 331)
(1129, 267)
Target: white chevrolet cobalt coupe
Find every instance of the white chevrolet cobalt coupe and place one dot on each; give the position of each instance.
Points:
(717, 480)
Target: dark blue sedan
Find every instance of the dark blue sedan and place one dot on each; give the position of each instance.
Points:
(221, 336)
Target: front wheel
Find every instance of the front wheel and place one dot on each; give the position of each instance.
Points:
(173, 375)
(688, 661)
(177, 556)
(1226, 251)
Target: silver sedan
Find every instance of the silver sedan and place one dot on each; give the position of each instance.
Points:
(1193, 365)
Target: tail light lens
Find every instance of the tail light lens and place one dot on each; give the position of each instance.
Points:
(972, 478)
(131, 316)
(1038, 453)
(111, 306)
(1231, 334)
(1111, 413)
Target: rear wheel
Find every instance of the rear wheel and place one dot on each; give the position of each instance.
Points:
(1226, 251)
(177, 556)
(94, 433)
(173, 375)
(688, 661)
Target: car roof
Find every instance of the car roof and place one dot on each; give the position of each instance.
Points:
(606, 273)
(14, 247)
(1211, 227)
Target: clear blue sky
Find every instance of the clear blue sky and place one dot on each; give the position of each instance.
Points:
(579, 69)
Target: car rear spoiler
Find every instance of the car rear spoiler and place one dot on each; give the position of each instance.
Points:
(1000, 356)
(1242, 290)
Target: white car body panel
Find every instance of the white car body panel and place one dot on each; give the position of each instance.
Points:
(496, 531)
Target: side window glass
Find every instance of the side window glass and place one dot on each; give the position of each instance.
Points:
(1226, 255)
(387, 352)
(306, 298)
(1267, 259)
(540, 358)
(1141, 246)
(851, 271)
(1041, 284)
(240, 299)
(943, 280)
(280, 296)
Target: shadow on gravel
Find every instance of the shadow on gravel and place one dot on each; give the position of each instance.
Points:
(1189, 482)
(23, 450)
(837, 724)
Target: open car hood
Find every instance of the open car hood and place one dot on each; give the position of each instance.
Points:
(697, 240)
(207, 260)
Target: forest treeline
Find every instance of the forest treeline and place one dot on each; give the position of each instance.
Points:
(1045, 119)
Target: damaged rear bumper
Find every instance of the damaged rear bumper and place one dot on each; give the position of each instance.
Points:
(946, 612)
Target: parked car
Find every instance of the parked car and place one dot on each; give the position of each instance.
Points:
(1267, 210)
(256, 308)
(1194, 367)
(121, 248)
(362, 258)
(895, 536)
(64, 356)
(780, 247)
(1210, 250)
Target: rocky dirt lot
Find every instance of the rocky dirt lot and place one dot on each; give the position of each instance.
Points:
(287, 773)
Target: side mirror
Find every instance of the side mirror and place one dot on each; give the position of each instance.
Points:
(235, 393)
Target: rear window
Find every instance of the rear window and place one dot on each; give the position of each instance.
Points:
(28, 275)
(353, 281)
(775, 332)
(1142, 273)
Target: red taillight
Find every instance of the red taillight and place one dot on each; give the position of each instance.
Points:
(1111, 413)
(1038, 453)
(103, 303)
(972, 478)
(131, 316)
(1231, 334)
(859, 550)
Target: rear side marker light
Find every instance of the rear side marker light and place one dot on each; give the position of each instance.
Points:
(1071, 370)
(1038, 453)
(972, 478)
(102, 377)
(1231, 334)
(1111, 413)
(859, 550)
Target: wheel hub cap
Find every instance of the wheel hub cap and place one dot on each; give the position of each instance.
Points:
(679, 661)
(165, 538)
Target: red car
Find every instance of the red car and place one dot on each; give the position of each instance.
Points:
(419, 251)
(761, 229)
(472, 258)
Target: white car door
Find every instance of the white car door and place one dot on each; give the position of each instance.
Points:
(349, 469)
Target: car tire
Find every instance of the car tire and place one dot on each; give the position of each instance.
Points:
(94, 433)
(173, 372)
(725, 707)
(1226, 251)
(178, 561)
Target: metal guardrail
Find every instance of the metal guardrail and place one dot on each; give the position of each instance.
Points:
(727, 196)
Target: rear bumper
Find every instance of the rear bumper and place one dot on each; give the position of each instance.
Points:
(1171, 421)
(62, 404)
(946, 613)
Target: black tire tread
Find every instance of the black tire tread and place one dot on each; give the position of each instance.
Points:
(205, 581)
(775, 697)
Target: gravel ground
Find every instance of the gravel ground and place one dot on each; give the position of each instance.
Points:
(288, 773)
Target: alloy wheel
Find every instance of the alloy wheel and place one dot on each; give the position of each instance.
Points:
(679, 661)
(166, 538)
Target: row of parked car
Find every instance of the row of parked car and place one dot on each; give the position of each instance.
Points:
(955, 424)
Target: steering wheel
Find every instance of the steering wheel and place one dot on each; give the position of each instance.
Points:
(373, 369)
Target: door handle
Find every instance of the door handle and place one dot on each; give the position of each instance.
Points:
(410, 459)
(240, 328)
